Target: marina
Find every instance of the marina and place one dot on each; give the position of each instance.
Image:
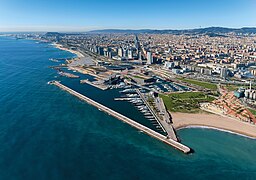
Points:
(162, 123)
(138, 102)
(80, 134)
(83, 140)
(147, 90)
(127, 120)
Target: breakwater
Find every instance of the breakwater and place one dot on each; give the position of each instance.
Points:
(125, 119)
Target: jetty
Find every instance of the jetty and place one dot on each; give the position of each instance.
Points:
(125, 119)
(69, 75)
(97, 84)
(163, 124)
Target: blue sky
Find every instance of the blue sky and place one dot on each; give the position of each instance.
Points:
(82, 15)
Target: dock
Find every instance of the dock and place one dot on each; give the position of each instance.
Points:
(143, 87)
(125, 119)
(122, 99)
(167, 120)
(69, 75)
(150, 109)
(99, 84)
(163, 124)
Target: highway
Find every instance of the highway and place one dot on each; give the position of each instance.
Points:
(125, 119)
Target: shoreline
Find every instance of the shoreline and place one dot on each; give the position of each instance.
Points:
(208, 123)
(217, 129)
(213, 121)
(59, 46)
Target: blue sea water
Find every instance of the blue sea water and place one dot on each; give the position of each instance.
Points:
(46, 133)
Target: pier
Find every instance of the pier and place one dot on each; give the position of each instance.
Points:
(163, 124)
(125, 119)
(100, 85)
(141, 86)
(122, 99)
(151, 111)
(69, 75)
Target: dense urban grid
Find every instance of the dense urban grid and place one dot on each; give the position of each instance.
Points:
(164, 73)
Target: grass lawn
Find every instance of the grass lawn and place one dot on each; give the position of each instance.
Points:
(236, 87)
(187, 102)
(253, 111)
(232, 87)
(203, 84)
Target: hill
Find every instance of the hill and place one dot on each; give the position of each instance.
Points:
(211, 31)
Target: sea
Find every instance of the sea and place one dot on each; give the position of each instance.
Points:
(46, 133)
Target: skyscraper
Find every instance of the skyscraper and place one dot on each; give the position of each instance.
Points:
(120, 52)
(223, 72)
(139, 56)
(130, 54)
(149, 58)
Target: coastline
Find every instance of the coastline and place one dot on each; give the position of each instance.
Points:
(206, 121)
(59, 46)
(217, 129)
(212, 121)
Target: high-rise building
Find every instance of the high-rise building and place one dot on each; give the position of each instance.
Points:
(120, 52)
(136, 42)
(106, 53)
(223, 73)
(100, 51)
(110, 54)
(95, 49)
(130, 55)
(125, 53)
(169, 65)
(149, 58)
(139, 56)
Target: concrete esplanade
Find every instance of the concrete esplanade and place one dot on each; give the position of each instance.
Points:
(125, 119)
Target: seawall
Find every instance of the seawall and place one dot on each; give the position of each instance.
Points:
(125, 119)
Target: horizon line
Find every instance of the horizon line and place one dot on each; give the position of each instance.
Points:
(124, 29)
(118, 28)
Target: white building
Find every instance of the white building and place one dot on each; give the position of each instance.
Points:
(139, 56)
(149, 58)
(223, 73)
(130, 54)
(120, 52)
(168, 65)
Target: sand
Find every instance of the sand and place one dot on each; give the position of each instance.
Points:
(183, 120)
(59, 46)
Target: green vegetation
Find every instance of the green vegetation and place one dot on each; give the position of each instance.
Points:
(187, 102)
(203, 84)
(139, 77)
(231, 87)
(128, 78)
(253, 111)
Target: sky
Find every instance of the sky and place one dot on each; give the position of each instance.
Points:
(84, 15)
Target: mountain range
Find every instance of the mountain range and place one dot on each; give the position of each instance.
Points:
(209, 30)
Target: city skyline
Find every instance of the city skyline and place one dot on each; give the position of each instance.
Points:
(128, 89)
(91, 15)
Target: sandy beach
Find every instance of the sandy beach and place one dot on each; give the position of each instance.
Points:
(183, 120)
(59, 46)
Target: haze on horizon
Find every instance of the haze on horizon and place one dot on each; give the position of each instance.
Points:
(80, 15)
